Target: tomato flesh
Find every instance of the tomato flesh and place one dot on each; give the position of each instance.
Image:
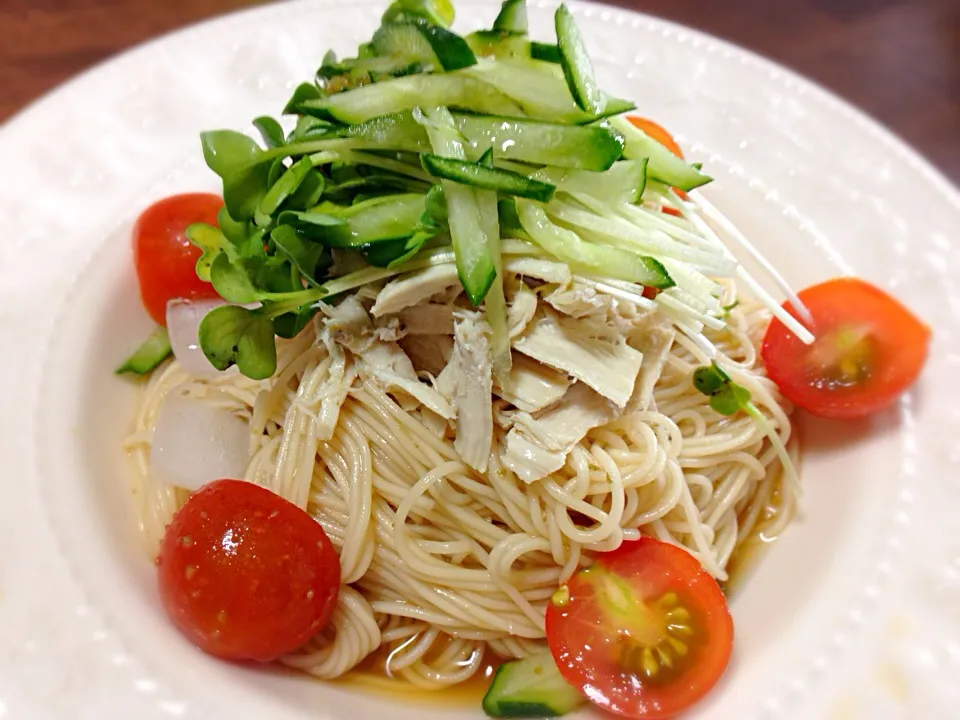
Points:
(644, 633)
(165, 258)
(869, 350)
(246, 575)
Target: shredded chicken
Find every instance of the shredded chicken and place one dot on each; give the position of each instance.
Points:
(334, 388)
(414, 288)
(427, 319)
(532, 386)
(473, 384)
(429, 353)
(610, 368)
(389, 364)
(655, 345)
(538, 446)
(579, 359)
(521, 310)
(350, 326)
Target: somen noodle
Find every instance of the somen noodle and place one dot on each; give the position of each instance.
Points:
(441, 563)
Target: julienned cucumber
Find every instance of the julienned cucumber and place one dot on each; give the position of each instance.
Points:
(544, 51)
(376, 220)
(471, 247)
(662, 165)
(406, 93)
(487, 178)
(530, 688)
(575, 61)
(624, 182)
(154, 350)
(592, 147)
(420, 41)
(591, 258)
(539, 88)
(496, 44)
(512, 17)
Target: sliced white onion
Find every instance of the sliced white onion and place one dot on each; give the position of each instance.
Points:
(195, 443)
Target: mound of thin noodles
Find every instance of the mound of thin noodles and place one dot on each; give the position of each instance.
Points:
(444, 567)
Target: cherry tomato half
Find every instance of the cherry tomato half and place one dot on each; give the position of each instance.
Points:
(246, 575)
(165, 259)
(869, 350)
(645, 632)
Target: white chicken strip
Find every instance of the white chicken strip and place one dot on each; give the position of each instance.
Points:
(349, 325)
(428, 353)
(536, 447)
(414, 288)
(427, 319)
(655, 346)
(532, 386)
(579, 301)
(569, 345)
(523, 306)
(389, 364)
(333, 391)
(471, 377)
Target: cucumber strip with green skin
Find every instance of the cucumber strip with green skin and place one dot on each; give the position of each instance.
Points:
(487, 178)
(545, 51)
(540, 89)
(590, 147)
(154, 350)
(509, 221)
(608, 228)
(593, 147)
(495, 303)
(405, 93)
(624, 181)
(530, 688)
(471, 247)
(663, 165)
(495, 44)
(587, 257)
(396, 131)
(512, 17)
(419, 41)
(380, 219)
(576, 64)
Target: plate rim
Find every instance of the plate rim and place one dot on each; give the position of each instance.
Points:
(879, 133)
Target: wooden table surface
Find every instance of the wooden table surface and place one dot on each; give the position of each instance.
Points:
(899, 61)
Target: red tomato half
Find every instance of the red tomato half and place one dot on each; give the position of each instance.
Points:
(869, 350)
(165, 259)
(644, 633)
(246, 575)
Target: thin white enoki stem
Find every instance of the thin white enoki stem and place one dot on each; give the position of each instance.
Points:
(794, 325)
(710, 210)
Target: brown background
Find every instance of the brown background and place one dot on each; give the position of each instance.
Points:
(899, 61)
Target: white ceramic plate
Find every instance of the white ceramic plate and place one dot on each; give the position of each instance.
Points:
(855, 613)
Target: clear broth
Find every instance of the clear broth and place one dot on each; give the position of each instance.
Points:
(371, 676)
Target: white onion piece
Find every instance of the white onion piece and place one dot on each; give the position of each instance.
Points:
(195, 443)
